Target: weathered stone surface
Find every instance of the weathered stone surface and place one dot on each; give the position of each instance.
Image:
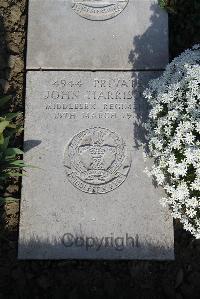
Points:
(60, 36)
(89, 198)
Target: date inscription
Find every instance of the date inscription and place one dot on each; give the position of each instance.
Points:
(98, 99)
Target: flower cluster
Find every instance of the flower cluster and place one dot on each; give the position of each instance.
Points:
(173, 135)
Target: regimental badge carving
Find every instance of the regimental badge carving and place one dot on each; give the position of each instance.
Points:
(98, 10)
(97, 160)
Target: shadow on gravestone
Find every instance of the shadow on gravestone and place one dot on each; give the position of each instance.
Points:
(145, 41)
(72, 246)
(29, 144)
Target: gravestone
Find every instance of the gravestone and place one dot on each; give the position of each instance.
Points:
(88, 62)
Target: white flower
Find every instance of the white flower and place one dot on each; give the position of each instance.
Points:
(196, 184)
(192, 202)
(189, 138)
(173, 132)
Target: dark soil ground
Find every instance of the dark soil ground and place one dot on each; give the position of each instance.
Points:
(88, 279)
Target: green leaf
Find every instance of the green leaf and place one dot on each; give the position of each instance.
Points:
(15, 174)
(10, 132)
(11, 115)
(12, 152)
(3, 124)
(12, 126)
(4, 100)
(4, 200)
(12, 164)
(17, 163)
(3, 178)
(162, 3)
(1, 139)
(7, 167)
(4, 143)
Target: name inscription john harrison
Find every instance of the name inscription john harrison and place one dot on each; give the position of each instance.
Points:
(97, 160)
(99, 10)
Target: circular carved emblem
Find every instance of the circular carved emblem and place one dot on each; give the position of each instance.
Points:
(97, 160)
(98, 10)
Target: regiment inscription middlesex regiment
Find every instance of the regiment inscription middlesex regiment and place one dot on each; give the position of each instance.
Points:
(98, 10)
(97, 160)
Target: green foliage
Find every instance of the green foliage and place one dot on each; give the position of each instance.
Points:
(7, 200)
(169, 5)
(184, 24)
(10, 162)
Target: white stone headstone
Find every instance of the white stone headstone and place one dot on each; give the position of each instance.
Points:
(88, 197)
(60, 38)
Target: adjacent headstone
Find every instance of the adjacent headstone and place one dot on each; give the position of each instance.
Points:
(88, 197)
(63, 38)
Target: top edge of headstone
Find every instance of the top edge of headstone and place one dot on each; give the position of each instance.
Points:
(97, 35)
